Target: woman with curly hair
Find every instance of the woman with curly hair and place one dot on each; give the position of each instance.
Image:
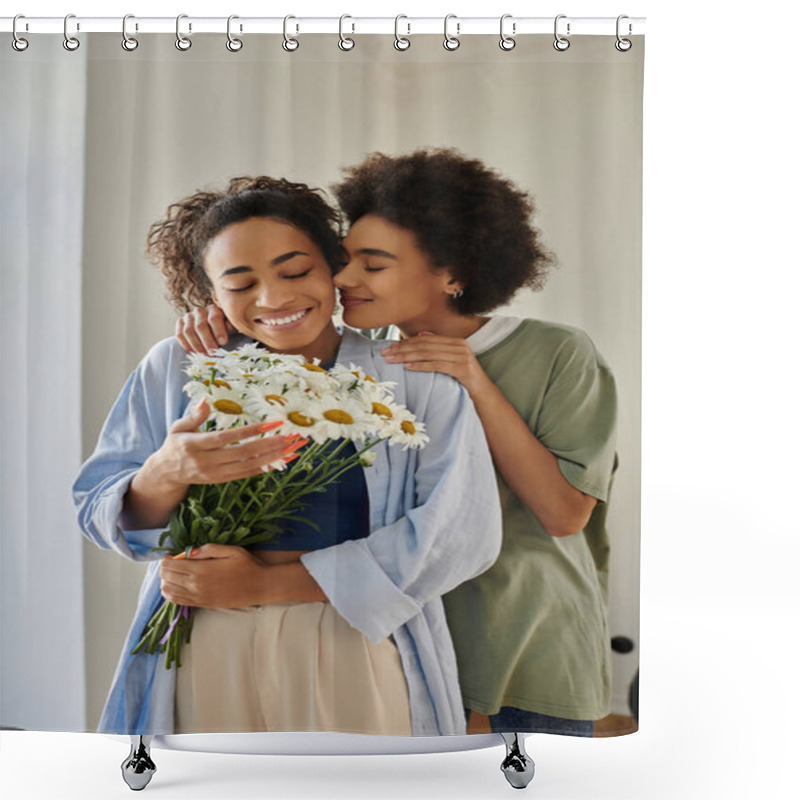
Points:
(338, 629)
(443, 240)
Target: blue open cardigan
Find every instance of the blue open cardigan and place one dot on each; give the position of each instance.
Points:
(434, 519)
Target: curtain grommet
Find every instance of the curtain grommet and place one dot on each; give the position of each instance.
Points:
(507, 42)
(183, 43)
(70, 43)
(451, 43)
(233, 44)
(345, 42)
(129, 43)
(401, 42)
(560, 43)
(17, 42)
(623, 45)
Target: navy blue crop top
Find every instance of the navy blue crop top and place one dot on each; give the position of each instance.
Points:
(341, 512)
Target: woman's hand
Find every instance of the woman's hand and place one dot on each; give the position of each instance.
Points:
(428, 352)
(216, 576)
(203, 330)
(189, 456)
(225, 576)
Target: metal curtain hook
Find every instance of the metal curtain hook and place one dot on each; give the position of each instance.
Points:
(560, 42)
(18, 43)
(233, 44)
(290, 44)
(70, 42)
(129, 43)
(345, 43)
(181, 41)
(623, 45)
(507, 42)
(400, 42)
(451, 42)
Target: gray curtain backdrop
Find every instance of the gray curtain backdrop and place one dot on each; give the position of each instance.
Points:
(157, 124)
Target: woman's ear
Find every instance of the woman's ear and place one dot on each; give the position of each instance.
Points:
(453, 286)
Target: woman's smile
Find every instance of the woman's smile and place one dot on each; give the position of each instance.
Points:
(283, 320)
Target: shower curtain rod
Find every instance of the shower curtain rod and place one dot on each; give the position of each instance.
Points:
(349, 25)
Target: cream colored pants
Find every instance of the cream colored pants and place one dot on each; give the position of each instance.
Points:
(288, 667)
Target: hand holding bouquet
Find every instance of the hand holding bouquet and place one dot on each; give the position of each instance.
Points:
(327, 408)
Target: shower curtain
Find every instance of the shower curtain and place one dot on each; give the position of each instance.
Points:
(98, 142)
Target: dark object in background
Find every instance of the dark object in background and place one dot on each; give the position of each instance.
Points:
(622, 644)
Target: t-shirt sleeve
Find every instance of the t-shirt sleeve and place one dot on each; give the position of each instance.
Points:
(577, 418)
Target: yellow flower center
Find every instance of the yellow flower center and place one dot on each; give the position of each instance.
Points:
(313, 368)
(381, 410)
(366, 377)
(299, 419)
(338, 416)
(408, 427)
(228, 407)
(218, 382)
(276, 399)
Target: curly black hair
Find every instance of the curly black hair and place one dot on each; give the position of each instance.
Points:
(464, 216)
(177, 243)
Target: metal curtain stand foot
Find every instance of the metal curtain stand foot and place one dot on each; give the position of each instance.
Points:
(517, 766)
(138, 768)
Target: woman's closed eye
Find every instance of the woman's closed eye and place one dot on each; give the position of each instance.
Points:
(297, 274)
(373, 269)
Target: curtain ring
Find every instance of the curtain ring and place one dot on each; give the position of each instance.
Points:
(18, 43)
(233, 44)
(623, 45)
(129, 43)
(400, 42)
(345, 43)
(70, 42)
(507, 42)
(451, 42)
(182, 42)
(290, 44)
(560, 42)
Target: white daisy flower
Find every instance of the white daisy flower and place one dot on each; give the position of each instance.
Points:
(407, 431)
(227, 406)
(343, 417)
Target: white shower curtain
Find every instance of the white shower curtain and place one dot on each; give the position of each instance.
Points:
(104, 140)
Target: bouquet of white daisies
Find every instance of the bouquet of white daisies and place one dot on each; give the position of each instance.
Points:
(327, 408)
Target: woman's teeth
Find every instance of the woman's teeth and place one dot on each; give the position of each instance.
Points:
(284, 320)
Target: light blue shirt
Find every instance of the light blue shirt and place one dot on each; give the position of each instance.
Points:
(434, 518)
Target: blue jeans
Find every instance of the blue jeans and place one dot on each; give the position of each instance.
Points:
(517, 720)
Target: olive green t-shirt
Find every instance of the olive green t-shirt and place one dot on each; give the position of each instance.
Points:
(532, 631)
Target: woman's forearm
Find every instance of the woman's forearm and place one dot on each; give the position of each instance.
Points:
(291, 583)
(528, 467)
(151, 497)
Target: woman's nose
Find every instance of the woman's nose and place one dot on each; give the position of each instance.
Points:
(275, 295)
(344, 277)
